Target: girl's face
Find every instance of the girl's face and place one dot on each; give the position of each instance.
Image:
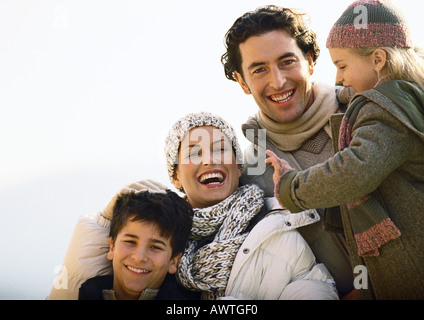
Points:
(207, 168)
(353, 70)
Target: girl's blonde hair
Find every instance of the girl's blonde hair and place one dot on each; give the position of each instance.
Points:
(402, 63)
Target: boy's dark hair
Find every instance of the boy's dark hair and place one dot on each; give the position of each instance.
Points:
(169, 212)
(261, 21)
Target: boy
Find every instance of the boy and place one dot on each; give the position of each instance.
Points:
(147, 237)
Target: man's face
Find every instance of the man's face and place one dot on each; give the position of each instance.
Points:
(141, 259)
(277, 74)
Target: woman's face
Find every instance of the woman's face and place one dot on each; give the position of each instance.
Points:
(207, 168)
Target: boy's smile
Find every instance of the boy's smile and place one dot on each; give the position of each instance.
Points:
(136, 270)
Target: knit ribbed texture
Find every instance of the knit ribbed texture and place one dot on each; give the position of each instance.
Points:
(370, 23)
(207, 267)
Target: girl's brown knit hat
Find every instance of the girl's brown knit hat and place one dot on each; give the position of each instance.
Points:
(370, 23)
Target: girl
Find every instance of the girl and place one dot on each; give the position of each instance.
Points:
(379, 169)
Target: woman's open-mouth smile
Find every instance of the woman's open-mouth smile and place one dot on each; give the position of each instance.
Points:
(212, 178)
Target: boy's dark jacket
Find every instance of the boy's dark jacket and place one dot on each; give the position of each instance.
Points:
(93, 288)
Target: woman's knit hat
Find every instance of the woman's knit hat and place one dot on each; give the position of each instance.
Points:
(182, 127)
(370, 23)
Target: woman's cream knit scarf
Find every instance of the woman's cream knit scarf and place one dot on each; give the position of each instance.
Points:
(207, 267)
(291, 136)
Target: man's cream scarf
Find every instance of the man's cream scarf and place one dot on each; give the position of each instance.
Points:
(207, 267)
(291, 136)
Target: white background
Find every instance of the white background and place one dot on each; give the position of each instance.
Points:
(88, 91)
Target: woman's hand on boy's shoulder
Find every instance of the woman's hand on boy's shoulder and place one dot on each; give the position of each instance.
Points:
(139, 186)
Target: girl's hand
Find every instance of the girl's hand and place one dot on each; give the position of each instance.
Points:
(281, 167)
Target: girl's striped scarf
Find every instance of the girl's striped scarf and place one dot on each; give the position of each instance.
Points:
(370, 221)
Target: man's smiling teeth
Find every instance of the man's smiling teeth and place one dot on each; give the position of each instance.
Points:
(282, 98)
(211, 178)
(137, 270)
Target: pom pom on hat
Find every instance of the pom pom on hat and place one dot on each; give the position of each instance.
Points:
(182, 127)
(370, 23)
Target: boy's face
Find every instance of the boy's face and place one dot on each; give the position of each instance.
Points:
(141, 259)
(207, 168)
(277, 75)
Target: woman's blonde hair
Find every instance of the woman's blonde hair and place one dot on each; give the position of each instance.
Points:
(402, 63)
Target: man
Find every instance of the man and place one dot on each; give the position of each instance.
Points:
(271, 53)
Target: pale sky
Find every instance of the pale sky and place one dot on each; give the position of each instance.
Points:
(88, 91)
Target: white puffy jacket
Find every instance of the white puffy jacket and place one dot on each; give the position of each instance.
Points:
(85, 258)
(274, 262)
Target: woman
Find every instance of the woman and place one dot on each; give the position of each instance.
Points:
(238, 246)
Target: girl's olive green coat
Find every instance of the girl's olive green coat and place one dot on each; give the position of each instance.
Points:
(385, 159)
